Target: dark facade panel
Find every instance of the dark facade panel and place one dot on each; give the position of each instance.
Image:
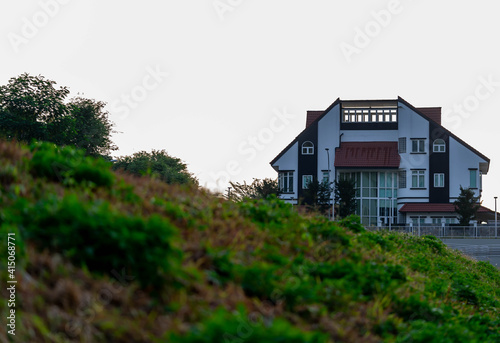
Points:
(308, 164)
(369, 126)
(439, 162)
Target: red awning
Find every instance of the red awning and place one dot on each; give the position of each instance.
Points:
(367, 154)
(428, 207)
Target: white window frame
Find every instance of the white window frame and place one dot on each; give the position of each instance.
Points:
(402, 179)
(306, 179)
(285, 181)
(309, 149)
(437, 220)
(402, 145)
(326, 176)
(420, 145)
(439, 145)
(416, 219)
(420, 174)
(439, 180)
(473, 186)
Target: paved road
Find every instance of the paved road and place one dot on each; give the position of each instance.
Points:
(480, 249)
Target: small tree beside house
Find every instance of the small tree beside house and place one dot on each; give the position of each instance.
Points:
(317, 195)
(466, 206)
(345, 197)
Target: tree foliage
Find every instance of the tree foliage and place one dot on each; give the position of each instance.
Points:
(91, 129)
(466, 206)
(158, 164)
(345, 197)
(318, 194)
(33, 108)
(258, 189)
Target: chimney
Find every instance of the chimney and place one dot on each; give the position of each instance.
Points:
(433, 113)
(312, 116)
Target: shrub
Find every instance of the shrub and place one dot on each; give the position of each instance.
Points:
(258, 280)
(225, 327)
(69, 166)
(270, 210)
(96, 235)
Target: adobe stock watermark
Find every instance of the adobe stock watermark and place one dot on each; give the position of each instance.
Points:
(222, 7)
(483, 90)
(363, 36)
(130, 100)
(31, 26)
(249, 148)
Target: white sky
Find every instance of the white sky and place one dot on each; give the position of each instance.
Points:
(204, 77)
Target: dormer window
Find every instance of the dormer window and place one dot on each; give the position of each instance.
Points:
(370, 115)
(307, 148)
(439, 146)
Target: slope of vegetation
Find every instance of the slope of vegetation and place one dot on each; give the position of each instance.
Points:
(105, 257)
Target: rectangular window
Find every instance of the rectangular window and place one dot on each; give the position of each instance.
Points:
(306, 179)
(436, 220)
(418, 178)
(438, 180)
(402, 145)
(326, 177)
(364, 115)
(402, 179)
(450, 220)
(418, 145)
(417, 220)
(285, 182)
(473, 178)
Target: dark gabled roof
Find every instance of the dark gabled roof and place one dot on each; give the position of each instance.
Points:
(312, 116)
(445, 129)
(296, 138)
(367, 154)
(433, 113)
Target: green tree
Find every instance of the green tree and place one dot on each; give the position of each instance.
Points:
(90, 126)
(317, 195)
(27, 104)
(32, 108)
(258, 189)
(466, 206)
(345, 197)
(157, 164)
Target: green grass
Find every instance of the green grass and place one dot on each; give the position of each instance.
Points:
(110, 257)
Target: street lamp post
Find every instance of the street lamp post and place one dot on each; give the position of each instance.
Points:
(390, 212)
(496, 217)
(328, 155)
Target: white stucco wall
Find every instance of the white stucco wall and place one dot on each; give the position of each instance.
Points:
(412, 125)
(461, 159)
(328, 137)
(290, 161)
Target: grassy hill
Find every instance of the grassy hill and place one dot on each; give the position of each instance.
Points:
(104, 257)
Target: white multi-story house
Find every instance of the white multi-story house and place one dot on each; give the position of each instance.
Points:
(407, 167)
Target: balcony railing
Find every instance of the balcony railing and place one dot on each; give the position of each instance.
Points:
(481, 231)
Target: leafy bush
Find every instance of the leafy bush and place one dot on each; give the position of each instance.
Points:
(270, 210)
(258, 280)
(96, 235)
(224, 326)
(157, 163)
(69, 166)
